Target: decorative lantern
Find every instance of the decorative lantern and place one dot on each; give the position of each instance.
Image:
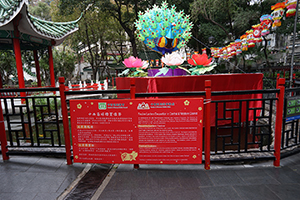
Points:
(204, 50)
(257, 33)
(162, 29)
(224, 53)
(277, 13)
(250, 38)
(215, 52)
(244, 42)
(228, 50)
(238, 46)
(233, 48)
(266, 23)
(291, 7)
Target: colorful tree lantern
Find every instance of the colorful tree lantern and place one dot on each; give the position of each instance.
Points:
(277, 13)
(266, 23)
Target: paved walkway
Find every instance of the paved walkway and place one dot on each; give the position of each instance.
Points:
(38, 178)
(26, 177)
(256, 181)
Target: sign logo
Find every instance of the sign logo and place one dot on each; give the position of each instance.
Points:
(143, 106)
(102, 106)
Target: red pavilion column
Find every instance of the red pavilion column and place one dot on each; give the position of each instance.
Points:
(51, 66)
(37, 68)
(17, 50)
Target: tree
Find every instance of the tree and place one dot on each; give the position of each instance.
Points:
(64, 62)
(41, 10)
(123, 11)
(7, 65)
(98, 34)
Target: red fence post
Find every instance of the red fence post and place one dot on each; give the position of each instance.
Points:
(279, 119)
(132, 88)
(132, 96)
(3, 139)
(207, 103)
(65, 119)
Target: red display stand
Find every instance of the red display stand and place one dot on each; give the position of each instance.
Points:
(144, 131)
(220, 82)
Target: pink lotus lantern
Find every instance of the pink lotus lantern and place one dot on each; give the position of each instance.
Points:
(135, 65)
(133, 62)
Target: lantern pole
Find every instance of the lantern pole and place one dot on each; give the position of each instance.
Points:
(293, 49)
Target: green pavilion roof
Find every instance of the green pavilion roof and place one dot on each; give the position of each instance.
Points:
(34, 29)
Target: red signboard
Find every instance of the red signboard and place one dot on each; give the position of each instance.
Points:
(137, 131)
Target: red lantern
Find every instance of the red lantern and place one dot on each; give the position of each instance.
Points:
(257, 33)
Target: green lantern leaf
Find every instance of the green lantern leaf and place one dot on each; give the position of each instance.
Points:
(163, 71)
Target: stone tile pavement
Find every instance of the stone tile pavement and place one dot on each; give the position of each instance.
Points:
(252, 181)
(32, 178)
(36, 178)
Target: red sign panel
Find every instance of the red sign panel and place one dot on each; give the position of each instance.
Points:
(137, 131)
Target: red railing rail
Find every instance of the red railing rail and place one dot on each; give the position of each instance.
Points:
(278, 124)
(207, 104)
(64, 109)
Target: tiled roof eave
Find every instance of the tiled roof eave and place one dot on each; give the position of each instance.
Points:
(45, 31)
(15, 11)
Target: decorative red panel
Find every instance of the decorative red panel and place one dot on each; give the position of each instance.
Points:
(137, 131)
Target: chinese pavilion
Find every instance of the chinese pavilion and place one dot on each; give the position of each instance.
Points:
(21, 31)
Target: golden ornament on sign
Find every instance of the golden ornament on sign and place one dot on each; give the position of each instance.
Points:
(186, 102)
(129, 156)
(79, 106)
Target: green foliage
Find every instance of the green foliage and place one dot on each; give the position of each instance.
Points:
(64, 62)
(7, 65)
(41, 10)
(35, 103)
